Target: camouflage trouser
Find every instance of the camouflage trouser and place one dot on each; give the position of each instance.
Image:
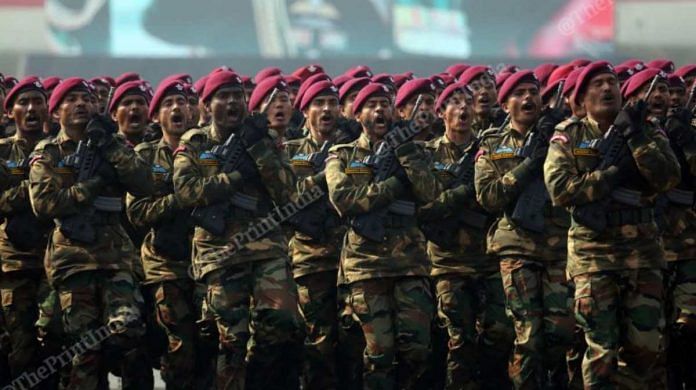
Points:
(207, 336)
(4, 351)
(268, 286)
(176, 316)
(317, 298)
(351, 344)
(538, 299)
(395, 315)
(476, 358)
(91, 300)
(681, 317)
(621, 313)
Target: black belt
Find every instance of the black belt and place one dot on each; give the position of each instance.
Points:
(630, 216)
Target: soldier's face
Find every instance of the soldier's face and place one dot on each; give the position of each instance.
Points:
(279, 111)
(458, 113)
(76, 109)
(194, 111)
(102, 92)
(677, 97)
(658, 101)
(602, 99)
(524, 104)
(174, 115)
(293, 93)
(228, 107)
(347, 107)
(322, 114)
(204, 114)
(485, 95)
(131, 115)
(427, 105)
(376, 116)
(30, 111)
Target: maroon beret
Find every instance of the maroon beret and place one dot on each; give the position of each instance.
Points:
(264, 88)
(456, 70)
(449, 91)
(51, 82)
(580, 62)
(662, 63)
(623, 72)
(571, 80)
(401, 79)
(438, 81)
(248, 82)
(68, 85)
(293, 81)
(200, 85)
(447, 78)
(308, 83)
(543, 72)
(340, 80)
(184, 77)
(304, 72)
(413, 88)
(384, 78)
(267, 72)
(10, 81)
(190, 90)
(560, 73)
(359, 71)
(475, 71)
(517, 78)
(129, 88)
(27, 84)
(164, 89)
(103, 80)
(369, 91)
(510, 68)
(675, 81)
(320, 88)
(218, 80)
(352, 85)
(501, 77)
(588, 72)
(638, 80)
(551, 87)
(222, 68)
(686, 70)
(126, 77)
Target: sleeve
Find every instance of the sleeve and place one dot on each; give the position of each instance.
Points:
(416, 163)
(690, 155)
(15, 199)
(492, 192)
(133, 172)
(349, 198)
(48, 197)
(149, 210)
(565, 184)
(191, 186)
(275, 171)
(655, 160)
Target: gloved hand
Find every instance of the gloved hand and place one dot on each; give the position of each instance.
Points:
(678, 126)
(631, 119)
(254, 129)
(100, 130)
(320, 180)
(400, 174)
(247, 168)
(548, 121)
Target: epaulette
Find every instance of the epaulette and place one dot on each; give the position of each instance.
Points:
(489, 133)
(338, 147)
(50, 141)
(563, 126)
(193, 133)
(293, 142)
(148, 145)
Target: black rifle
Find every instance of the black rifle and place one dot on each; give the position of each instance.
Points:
(171, 237)
(444, 232)
(528, 212)
(24, 230)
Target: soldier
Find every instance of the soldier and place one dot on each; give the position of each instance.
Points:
(235, 273)
(315, 259)
(481, 80)
(467, 281)
(387, 276)
(279, 109)
(102, 86)
(23, 237)
(615, 257)
(128, 110)
(532, 263)
(347, 94)
(91, 272)
(193, 108)
(419, 91)
(204, 118)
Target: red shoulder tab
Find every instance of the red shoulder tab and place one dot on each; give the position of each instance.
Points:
(36, 157)
(479, 153)
(181, 148)
(562, 138)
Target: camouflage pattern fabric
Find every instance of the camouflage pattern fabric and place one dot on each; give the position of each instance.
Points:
(539, 302)
(395, 315)
(681, 322)
(351, 343)
(622, 315)
(472, 310)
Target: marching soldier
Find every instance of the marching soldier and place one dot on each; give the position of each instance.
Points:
(417, 91)
(532, 262)
(467, 281)
(88, 255)
(238, 273)
(615, 255)
(481, 80)
(387, 272)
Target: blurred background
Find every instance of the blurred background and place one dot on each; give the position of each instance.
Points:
(160, 37)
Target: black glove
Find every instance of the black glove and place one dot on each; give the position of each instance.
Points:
(548, 121)
(679, 127)
(247, 168)
(152, 132)
(347, 130)
(400, 174)
(254, 129)
(538, 156)
(107, 172)
(631, 119)
(320, 180)
(99, 132)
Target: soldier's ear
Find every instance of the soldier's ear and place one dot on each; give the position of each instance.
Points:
(113, 116)
(305, 112)
(505, 107)
(440, 114)
(56, 116)
(401, 113)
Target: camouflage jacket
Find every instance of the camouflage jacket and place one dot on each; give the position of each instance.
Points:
(497, 191)
(14, 201)
(352, 192)
(54, 193)
(160, 209)
(199, 182)
(470, 255)
(571, 178)
(310, 257)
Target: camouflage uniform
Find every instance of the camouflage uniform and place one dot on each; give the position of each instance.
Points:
(258, 272)
(619, 291)
(94, 280)
(468, 284)
(532, 265)
(166, 257)
(389, 288)
(315, 268)
(23, 241)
